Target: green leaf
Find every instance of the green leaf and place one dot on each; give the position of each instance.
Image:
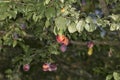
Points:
(8, 71)
(55, 31)
(12, 14)
(14, 43)
(109, 77)
(114, 17)
(61, 23)
(25, 47)
(72, 28)
(89, 19)
(107, 1)
(24, 33)
(114, 26)
(29, 16)
(80, 26)
(2, 1)
(3, 16)
(47, 23)
(47, 1)
(35, 17)
(50, 12)
(62, 1)
(90, 27)
(116, 75)
(41, 9)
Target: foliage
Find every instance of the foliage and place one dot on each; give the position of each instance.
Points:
(28, 30)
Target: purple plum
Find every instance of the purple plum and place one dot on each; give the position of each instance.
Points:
(46, 66)
(90, 44)
(23, 26)
(53, 67)
(63, 48)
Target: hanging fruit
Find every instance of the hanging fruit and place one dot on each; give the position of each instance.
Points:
(90, 45)
(46, 66)
(62, 39)
(63, 48)
(62, 10)
(53, 67)
(26, 67)
(49, 67)
(90, 51)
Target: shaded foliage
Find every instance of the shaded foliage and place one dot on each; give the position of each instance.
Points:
(30, 33)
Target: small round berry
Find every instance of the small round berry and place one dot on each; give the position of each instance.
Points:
(26, 67)
(63, 48)
(53, 67)
(46, 67)
(62, 10)
(60, 38)
(90, 44)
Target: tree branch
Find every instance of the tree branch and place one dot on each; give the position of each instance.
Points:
(112, 43)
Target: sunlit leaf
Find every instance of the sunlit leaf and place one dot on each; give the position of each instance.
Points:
(109, 77)
(47, 1)
(72, 28)
(80, 26)
(114, 17)
(14, 43)
(61, 23)
(62, 1)
(116, 76)
(90, 27)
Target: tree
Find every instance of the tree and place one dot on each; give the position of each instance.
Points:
(59, 39)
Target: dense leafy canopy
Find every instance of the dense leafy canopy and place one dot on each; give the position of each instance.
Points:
(80, 37)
